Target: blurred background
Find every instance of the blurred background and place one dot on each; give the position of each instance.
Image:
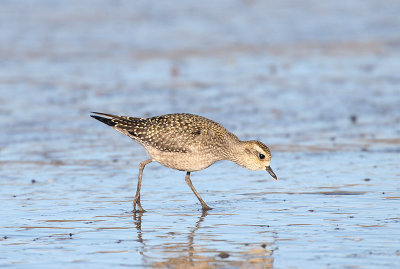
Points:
(317, 81)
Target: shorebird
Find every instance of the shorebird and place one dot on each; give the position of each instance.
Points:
(189, 143)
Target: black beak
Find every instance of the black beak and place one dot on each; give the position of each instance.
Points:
(268, 168)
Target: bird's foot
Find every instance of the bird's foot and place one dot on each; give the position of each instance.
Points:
(206, 207)
(136, 201)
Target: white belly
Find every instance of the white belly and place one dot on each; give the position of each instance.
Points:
(182, 161)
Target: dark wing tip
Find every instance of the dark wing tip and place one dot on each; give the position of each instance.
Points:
(104, 114)
(109, 122)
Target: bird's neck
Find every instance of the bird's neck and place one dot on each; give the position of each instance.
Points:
(236, 152)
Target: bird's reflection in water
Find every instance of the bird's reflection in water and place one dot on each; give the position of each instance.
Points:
(195, 255)
(191, 236)
(137, 217)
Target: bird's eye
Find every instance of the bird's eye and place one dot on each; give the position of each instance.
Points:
(261, 156)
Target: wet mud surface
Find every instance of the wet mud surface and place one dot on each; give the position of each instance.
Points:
(322, 91)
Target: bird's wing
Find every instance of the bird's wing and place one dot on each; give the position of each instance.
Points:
(170, 133)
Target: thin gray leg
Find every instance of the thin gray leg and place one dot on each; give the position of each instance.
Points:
(189, 182)
(136, 200)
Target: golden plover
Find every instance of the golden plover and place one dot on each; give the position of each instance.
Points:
(188, 143)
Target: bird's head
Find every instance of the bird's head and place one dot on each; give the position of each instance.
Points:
(256, 156)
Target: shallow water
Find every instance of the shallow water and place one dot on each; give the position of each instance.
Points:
(326, 102)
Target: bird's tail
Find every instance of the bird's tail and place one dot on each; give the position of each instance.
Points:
(117, 122)
(108, 119)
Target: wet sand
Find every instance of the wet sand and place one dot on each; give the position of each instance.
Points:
(317, 82)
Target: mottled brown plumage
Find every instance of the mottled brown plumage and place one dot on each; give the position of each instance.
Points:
(188, 142)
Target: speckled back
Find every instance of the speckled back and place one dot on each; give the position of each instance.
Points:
(180, 132)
